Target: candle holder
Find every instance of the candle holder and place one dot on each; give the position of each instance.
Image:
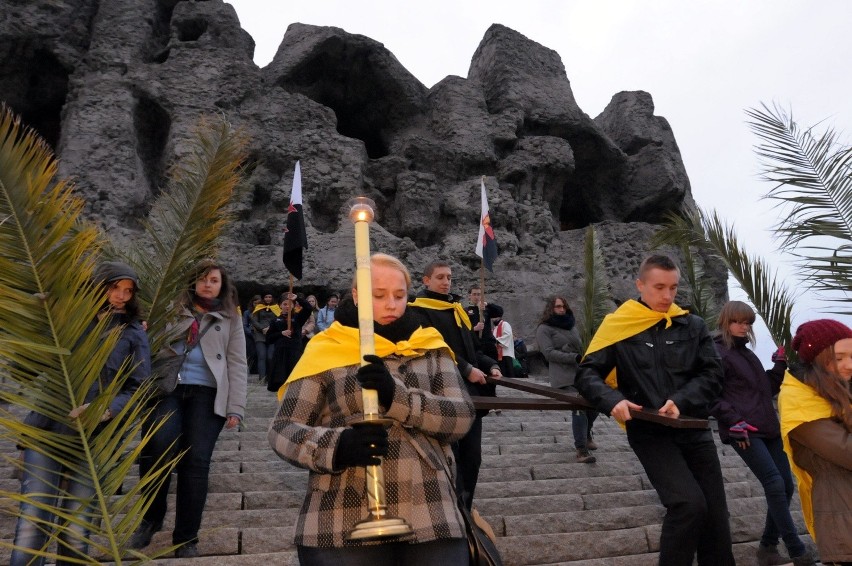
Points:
(379, 525)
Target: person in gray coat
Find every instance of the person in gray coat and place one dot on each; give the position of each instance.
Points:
(559, 342)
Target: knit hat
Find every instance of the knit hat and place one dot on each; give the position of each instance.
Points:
(815, 336)
(111, 271)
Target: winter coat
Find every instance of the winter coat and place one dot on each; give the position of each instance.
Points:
(132, 345)
(430, 410)
(747, 392)
(823, 449)
(678, 363)
(261, 319)
(224, 349)
(561, 348)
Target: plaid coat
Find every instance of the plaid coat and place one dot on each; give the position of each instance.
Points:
(431, 409)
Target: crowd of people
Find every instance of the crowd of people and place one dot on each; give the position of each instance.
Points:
(432, 355)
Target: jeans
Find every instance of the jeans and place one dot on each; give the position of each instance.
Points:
(468, 455)
(442, 551)
(43, 475)
(264, 358)
(684, 468)
(191, 425)
(767, 460)
(581, 426)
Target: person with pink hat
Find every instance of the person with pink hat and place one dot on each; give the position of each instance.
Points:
(815, 403)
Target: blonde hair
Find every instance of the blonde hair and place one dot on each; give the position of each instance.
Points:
(388, 261)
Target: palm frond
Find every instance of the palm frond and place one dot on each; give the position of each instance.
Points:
(812, 185)
(772, 300)
(596, 292)
(50, 359)
(186, 220)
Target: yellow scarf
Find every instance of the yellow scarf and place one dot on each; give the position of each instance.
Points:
(261, 306)
(340, 346)
(798, 404)
(631, 318)
(462, 320)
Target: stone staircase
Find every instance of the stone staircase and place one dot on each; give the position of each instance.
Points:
(546, 508)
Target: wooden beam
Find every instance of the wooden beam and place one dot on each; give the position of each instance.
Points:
(521, 403)
(577, 402)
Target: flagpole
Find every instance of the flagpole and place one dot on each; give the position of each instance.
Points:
(481, 295)
(292, 304)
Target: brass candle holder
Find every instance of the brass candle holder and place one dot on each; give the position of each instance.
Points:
(379, 525)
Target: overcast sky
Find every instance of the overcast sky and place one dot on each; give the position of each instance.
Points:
(704, 62)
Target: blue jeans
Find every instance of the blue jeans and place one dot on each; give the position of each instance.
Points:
(191, 425)
(581, 426)
(264, 358)
(767, 460)
(442, 551)
(684, 468)
(43, 475)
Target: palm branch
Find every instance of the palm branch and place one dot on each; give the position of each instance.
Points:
(701, 298)
(766, 292)
(596, 304)
(812, 178)
(47, 300)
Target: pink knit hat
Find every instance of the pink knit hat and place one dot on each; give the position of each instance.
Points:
(815, 336)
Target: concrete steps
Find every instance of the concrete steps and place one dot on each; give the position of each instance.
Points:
(546, 508)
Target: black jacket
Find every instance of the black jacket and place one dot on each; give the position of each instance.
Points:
(679, 363)
(487, 341)
(747, 392)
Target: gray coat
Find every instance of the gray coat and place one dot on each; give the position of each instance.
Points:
(561, 348)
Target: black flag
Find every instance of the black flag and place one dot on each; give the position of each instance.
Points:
(295, 238)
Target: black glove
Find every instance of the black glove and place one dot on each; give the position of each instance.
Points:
(361, 446)
(376, 376)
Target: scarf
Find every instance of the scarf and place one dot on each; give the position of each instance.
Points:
(564, 321)
(276, 310)
(631, 318)
(462, 320)
(340, 346)
(799, 403)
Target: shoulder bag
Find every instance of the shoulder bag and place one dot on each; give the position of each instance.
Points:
(166, 365)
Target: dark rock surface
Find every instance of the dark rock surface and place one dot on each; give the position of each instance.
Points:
(116, 88)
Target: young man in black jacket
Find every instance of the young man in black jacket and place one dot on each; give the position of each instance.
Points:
(438, 308)
(651, 353)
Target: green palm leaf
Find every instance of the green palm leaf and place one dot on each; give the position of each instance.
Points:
(49, 360)
(812, 178)
(769, 296)
(596, 291)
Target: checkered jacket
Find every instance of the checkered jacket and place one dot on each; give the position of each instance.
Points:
(431, 409)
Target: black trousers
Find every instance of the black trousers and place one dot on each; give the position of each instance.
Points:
(683, 466)
(468, 454)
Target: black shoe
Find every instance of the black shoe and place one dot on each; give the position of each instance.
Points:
(584, 457)
(142, 536)
(188, 550)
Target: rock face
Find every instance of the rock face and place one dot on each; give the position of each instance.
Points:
(116, 87)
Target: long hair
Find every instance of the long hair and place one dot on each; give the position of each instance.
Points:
(735, 311)
(823, 376)
(227, 294)
(548, 307)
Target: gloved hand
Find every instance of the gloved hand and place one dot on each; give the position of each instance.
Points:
(361, 446)
(779, 356)
(376, 376)
(739, 432)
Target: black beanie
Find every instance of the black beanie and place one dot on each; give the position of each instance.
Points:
(111, 271)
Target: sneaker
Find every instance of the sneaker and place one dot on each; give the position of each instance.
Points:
(142, 535)
(769, 556)
(584, 457)
(188, 550)
(590, 444)
(806, 559)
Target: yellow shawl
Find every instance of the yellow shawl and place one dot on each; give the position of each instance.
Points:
(462, 320)
(339, 346)
(798, 404)
(631, 318)
(274, 308)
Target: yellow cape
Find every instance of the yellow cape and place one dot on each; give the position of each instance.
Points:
(274, 308)
(798, 404)
(631, 318)
(461, 316)
(339, 346)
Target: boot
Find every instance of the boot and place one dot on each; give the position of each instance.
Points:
(142, 535)
(590, 444)
(769, 556)
(806, 559)
(584, 457)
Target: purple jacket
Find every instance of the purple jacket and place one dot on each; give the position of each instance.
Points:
(747, 392)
